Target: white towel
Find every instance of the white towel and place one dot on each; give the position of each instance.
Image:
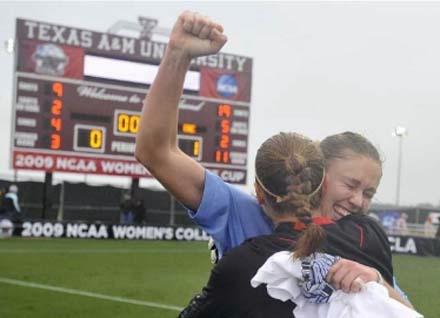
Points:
(282, 274)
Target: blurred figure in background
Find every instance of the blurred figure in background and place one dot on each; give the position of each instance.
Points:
(10, 205)
(401, 225)
(126, 216)
(429, 227)
(139, 211)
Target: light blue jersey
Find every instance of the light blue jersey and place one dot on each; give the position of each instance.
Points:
(228, 215)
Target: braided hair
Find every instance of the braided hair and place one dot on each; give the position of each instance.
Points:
(290, 169)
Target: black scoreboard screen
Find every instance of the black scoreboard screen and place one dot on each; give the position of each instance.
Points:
(79, 95)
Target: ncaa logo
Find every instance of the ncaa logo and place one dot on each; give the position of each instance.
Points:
(227, 86)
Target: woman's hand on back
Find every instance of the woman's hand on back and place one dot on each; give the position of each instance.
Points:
(350, 276)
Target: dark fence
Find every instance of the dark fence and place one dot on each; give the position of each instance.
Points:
(86, 203)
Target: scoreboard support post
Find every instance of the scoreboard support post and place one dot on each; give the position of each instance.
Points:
(134, 187)
(172, 210)
(46, 190)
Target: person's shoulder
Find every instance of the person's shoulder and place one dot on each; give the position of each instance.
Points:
(359, 219)
(212, 179)
(260, 246)
(368, 224)
(236, 259)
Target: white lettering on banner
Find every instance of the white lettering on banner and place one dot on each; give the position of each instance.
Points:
(232, 176)
(239, 143)
(153, 50)
(38, 229)
(238, 158)
(118, 167)
(116, 43)
(127, 46)
(25, 143)
(142, 232)
(190, 234)
(73, 38)
(25, 139)
(26, 100)
(27, 86)
(120, 232)
(40, 31)
(100, 93)
(26, 122)
(27, 104)
(241, 113)
(239, 128)
(86, 231)
(75, 164)
(135, 99)
(125, 147)
(123, 45)
(396, 245)
(226, 61)
(30, 161)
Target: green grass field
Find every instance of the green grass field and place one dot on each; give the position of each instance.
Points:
(138, 278)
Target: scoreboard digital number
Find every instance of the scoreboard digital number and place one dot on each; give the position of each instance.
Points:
(89, 138)
(126, 123)
(71, 116)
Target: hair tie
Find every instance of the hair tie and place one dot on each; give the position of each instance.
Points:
(320, 185)
(280, 199)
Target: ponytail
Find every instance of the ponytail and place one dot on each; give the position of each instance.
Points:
(310, 240)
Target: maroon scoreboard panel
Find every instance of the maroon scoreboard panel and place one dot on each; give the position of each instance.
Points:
(79, 94)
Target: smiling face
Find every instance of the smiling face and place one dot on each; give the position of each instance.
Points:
(351, 183)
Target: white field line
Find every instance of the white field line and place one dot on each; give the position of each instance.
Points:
(101, 251)
(88, 294)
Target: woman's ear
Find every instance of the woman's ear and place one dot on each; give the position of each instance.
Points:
(259, 193)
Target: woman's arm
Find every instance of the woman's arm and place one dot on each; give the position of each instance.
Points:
(156, 142)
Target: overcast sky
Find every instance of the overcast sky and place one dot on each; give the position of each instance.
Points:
(319, 69)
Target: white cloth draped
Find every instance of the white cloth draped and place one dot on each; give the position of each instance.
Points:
(281, 274)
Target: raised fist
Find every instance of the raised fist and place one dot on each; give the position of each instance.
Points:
(196, 35)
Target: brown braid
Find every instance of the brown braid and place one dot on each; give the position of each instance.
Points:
(290, 167)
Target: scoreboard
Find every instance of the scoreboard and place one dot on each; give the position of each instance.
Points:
(79, 95)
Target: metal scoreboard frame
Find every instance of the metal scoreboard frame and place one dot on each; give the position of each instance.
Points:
(78, 97)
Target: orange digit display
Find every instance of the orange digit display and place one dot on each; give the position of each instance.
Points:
(222, 156)
(189, 128)
(224, 110)
(58, 89)
(225, 126)
(55, 141)
(57, 106)
(224, 142)
(56, 123)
